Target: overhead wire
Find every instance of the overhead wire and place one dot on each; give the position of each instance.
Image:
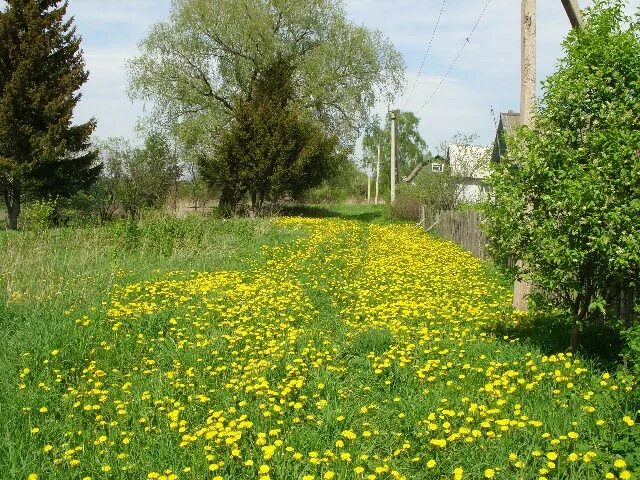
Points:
(426, 55)
(457, 57)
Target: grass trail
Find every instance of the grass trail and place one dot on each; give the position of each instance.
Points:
(338, 349)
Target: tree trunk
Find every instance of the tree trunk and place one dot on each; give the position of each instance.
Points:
(576, 317)
(574, 339)
(228, 202)
(12, 199)
(253, 211)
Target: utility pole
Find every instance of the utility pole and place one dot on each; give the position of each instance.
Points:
(574, 13)
(528, 66)
(527, 111)
(378, 176)
(528, 95)
(394, 156)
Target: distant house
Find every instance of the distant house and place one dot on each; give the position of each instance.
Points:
(508, 123)
(470, 166)
(437, 164)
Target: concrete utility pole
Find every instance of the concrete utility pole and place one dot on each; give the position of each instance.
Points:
(528, 77)
(394, 156)
(574, 13)
(378, 176)
(527, 112)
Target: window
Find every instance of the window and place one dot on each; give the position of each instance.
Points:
(437, 167)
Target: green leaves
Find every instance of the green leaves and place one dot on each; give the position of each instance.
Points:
(200, 63)
(566, 201)
(42, 154)
(272, 147)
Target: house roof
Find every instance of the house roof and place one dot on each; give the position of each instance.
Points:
(509, 121)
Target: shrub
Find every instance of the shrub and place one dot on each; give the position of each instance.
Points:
(567, 198)
(406, 207)
(38, 215)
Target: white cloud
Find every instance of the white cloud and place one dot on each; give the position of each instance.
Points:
(110, 35)
(488, 73)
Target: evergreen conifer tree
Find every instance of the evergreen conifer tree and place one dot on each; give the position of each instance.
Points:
(42, 154)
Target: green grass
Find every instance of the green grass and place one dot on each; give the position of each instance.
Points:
(47, 278)
(363, 213)
(349, 338)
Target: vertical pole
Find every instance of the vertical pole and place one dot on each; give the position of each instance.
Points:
(393, 157)
(522, 289)
(378, 176)
(528, 66)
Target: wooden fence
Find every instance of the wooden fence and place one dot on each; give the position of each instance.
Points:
(462, 228)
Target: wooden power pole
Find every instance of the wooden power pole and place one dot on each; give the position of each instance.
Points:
(378, 176)
(527, 111)
(394, 156)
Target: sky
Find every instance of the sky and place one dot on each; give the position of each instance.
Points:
(486, 77)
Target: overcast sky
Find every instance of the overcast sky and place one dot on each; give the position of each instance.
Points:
(487, 74)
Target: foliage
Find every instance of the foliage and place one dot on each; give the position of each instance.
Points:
(632, 353)
(438, 191)
(42, 154)
(272, 149)
(346, 184)
(366, 337)
(407, 206)
(443, 190)
(38, 215)
(200, 66)
(135, 178)
(411, 147)
(567, 199)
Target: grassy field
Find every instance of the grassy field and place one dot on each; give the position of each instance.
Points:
(293, 348)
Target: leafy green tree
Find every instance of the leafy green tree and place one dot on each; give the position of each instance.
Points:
(272, 149)
(412, 149)
(135, 178)
(42, 154)
(348, 183)
(200, 67)
(567, 200)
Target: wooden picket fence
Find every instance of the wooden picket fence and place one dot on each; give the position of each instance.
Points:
(462, 228)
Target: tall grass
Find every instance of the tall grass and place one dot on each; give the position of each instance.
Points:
(79, 264)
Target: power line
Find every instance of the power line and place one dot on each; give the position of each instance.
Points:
(426, 55)
(455, 60)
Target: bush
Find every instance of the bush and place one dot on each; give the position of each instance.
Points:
(347, 185)
(567, 198)
(38, 215)
(406, 207)
(134, 178)
(127, 232)
(632, 350)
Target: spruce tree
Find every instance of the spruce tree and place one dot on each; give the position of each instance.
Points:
(42, 154)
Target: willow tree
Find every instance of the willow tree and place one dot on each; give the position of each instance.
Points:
(198, 67)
